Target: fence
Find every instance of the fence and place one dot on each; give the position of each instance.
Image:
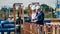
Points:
(48, 28)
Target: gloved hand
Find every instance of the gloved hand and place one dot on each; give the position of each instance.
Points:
(35, 20)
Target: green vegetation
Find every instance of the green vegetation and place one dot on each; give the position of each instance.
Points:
(25, 11)
(48, 11)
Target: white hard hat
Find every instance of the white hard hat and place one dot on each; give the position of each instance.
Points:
(16, 17)
(37, 7)
(30, 5)
(33, 7)
(9, 15)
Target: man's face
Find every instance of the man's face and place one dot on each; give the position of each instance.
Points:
(38, 10)
(33, 10)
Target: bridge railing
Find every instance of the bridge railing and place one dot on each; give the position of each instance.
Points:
(48, 28)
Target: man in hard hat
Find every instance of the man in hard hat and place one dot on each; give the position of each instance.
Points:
(33, 8)
(39, 16)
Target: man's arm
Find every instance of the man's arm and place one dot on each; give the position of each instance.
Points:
(40, 17)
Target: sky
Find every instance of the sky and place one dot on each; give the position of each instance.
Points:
(9, 3)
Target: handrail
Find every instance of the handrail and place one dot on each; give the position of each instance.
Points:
(52, 28)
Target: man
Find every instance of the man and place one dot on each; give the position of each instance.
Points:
(39, 16)
(33, 13)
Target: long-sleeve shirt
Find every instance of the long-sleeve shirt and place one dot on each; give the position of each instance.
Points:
(33, 16)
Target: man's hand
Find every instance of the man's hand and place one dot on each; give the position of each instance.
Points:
(35, 20)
